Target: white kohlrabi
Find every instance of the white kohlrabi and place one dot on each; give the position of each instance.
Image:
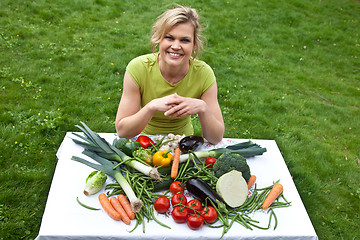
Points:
(232, 187)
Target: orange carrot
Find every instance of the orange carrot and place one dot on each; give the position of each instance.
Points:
(251, 181)
(105, 203)
(117, 206)
(175, 164)
(126, 205)
(273, 194)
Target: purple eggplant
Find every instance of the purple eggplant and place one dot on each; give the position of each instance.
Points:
(202, 191)
(190, 143)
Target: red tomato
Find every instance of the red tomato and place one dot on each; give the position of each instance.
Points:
(176, 187)
(179, 214)
(178, 198)
(145, 141)
(209, 161)
(194, 205)
(195, 221)
(209, 214)
(162, 204)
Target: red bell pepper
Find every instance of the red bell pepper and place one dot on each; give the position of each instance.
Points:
(145, 141)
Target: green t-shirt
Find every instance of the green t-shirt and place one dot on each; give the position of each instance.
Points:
(144, 70)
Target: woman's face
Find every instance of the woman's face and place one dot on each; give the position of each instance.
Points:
(177, 45)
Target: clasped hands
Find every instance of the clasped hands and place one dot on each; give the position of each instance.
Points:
(177, 106)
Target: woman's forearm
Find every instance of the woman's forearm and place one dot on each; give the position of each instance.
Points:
(211, 127)
(133, 125)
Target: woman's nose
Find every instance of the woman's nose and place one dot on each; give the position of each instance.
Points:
(176, 45)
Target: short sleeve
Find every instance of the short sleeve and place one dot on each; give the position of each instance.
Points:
(135, 68)
(209, 78)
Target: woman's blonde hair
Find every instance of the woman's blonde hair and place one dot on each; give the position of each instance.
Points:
(172, 17)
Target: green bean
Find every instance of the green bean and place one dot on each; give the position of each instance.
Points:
(248, 202)
(243, 222)
(279, 205)
(211, 225)
(146, 213)
(256, 203)
(257, 226)
(232, 222)
(282, 195)
(143, 224)
(115, 192)
(248, 219)
(86, 206)
(156, 220)
(112, 185)
(182, 169)
(136, 224)
(273, 213)
(262, 198)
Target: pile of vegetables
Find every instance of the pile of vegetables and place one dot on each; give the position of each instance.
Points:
(148, 178)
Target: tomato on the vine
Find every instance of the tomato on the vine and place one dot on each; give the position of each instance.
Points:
(195, 221)
(180, 214)
(178, 198)
(194, 205)
(177, 187)
(209, 214)
(209, 162)
(162, 204)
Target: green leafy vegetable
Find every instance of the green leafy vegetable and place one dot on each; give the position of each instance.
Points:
(94, 182)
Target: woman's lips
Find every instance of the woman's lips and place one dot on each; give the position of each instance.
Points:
(174, 55)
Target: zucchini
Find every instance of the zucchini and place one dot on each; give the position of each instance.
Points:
(163, 185)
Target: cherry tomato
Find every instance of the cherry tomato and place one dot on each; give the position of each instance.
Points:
(195, 221)
(209, 161)
(194, 205)
(180, 214)
(176, 187)
(209, 214)
(162, 204)
(178, 198)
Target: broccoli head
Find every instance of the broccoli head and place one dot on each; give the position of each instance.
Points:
(229, 161)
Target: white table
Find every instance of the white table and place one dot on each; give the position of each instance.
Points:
(64, 218)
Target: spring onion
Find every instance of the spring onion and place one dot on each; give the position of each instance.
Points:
(245, 149)
(98, 145)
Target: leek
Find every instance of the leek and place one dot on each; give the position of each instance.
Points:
(108, 167)
(245, 149)
(98, 145)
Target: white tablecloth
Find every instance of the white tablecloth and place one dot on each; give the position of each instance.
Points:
(64, 218)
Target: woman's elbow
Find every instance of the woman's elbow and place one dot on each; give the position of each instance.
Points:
(215, 138)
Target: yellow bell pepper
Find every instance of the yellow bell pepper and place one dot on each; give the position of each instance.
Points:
(162, 158)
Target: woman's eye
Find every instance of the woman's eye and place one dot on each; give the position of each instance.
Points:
(186, 40)
(169, 37)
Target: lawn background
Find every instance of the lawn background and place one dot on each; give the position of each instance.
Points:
(286, 70)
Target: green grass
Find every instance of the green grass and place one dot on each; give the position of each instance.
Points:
(289, 68)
